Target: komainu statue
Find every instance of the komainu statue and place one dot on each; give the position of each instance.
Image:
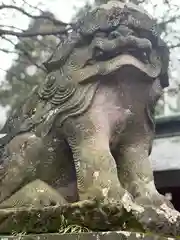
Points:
(79, 144)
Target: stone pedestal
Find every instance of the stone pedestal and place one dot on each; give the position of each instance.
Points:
(116, 235)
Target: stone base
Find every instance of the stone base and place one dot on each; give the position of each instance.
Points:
(115, 235)
(89, 216)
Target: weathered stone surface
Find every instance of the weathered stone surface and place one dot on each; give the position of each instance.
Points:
(116, 235)
(78, 147)
(91, 215)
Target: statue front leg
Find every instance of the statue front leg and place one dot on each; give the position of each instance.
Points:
(95, 166)
(136, 174)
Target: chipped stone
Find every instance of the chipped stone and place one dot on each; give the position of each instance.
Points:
(171, 214)
(32, 136)
(127, 234)
(40, 190)
(138, 235)
(96, 174)
(50, 149)
(105, 191)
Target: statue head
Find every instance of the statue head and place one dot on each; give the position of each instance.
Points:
(106, 39)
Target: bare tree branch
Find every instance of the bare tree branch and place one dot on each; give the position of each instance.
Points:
(170, 20)
(34, 7)
(26, 54)
(7, 51)
(33, 34)
(17, 32)
(55, 21)
(8, 40)
(11, 27)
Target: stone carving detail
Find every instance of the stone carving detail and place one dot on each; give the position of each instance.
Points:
(79, 144)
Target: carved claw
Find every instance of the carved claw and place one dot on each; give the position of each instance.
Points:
(154, 200)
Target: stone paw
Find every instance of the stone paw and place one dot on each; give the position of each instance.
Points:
(155, 200)
(163, 220)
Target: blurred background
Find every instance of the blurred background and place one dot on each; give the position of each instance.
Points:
(30, 31)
